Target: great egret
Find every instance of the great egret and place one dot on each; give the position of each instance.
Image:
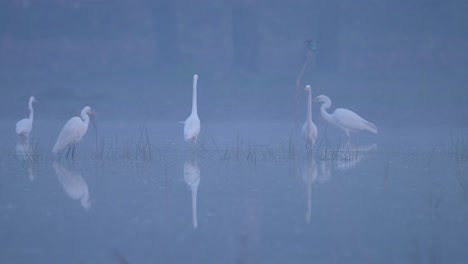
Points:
(192, 123)
(73, 131)
(343, 118)
(192, 178)
(309, 129)
(73, 184)
(24, 126)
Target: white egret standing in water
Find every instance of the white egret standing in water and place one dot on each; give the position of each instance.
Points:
(343, 118)
(192, 123)
(73, 131)
(24, 126)
(309, 129)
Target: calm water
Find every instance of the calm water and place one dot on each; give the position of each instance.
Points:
(250, 194)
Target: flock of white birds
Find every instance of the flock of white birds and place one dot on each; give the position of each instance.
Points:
(75, 128)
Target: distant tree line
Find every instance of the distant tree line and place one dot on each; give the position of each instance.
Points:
(329, 19)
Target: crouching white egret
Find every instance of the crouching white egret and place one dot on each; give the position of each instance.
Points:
(24, 126)
(309, 129)
(192, 123)
(343, 118)
(73, 131)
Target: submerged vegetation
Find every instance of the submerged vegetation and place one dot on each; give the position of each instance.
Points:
(458, 149)
(136, 150)
(140, 148)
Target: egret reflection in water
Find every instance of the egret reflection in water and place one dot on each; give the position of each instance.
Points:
(309, 175)
(24, 154)
(349, 155)
(192, 178)
(73, 184)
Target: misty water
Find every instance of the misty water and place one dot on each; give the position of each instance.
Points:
(249, 193)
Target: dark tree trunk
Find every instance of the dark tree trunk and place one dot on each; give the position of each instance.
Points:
(328, 34)
(165, 20)
(245, 39)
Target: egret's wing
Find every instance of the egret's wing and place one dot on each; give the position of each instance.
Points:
(22, 125)
(71, 132)
(192, 127)
(309, 132)
(350, 120)
(304, 129)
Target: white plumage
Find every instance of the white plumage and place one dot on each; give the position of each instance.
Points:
(343, 118)
(24, 126)
(73, 131)
(192, 123)
(309, 129)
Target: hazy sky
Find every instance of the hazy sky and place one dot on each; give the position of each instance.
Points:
(398, 62)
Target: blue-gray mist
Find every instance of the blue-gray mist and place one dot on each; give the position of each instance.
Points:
(203, 149)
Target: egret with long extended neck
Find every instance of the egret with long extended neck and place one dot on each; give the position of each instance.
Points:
(309, 129)
(192, 123)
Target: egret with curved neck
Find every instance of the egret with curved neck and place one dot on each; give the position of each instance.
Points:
(192, 123)
(24, 126)
(343, 118)
(309, 129)
(73, 131)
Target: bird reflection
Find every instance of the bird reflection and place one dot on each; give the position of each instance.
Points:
(192, 178)
(343, 158)
(349, 155)
(309, 175)
(24, 154)
(73, 184)
(325, 172)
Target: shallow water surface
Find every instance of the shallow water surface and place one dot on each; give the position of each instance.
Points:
(250, 193)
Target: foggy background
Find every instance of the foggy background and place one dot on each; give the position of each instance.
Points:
(394, 62)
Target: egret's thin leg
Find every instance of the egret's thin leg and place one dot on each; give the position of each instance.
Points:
(73, 152)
